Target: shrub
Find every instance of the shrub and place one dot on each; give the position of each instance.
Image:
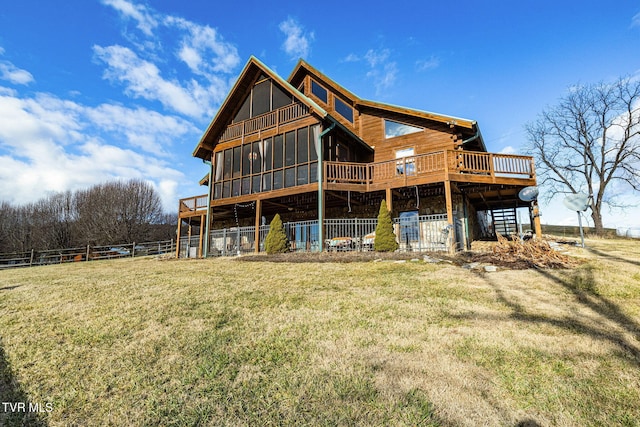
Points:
(385, 240)
(276, 241)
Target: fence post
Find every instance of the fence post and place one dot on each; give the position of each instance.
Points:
(31, 259)
(88, 252)
(133, 249)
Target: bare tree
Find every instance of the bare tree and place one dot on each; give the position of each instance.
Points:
(589, 142)
(117, 212)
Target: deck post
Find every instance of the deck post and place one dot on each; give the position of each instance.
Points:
(178, 237)
(320, 152)
(257, 223)
(389, 199)
(207, 225)
(200, 244)
(449, 203)
(536, 219)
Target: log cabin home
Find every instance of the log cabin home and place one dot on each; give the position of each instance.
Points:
(317, 154)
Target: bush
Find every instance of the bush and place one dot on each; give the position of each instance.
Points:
(385, 240)
(276, 241)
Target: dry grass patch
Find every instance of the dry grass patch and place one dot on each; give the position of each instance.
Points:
(221, 342)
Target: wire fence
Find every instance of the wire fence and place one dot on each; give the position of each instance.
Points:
(86, 253)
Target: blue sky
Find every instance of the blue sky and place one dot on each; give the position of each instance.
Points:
(94, 90)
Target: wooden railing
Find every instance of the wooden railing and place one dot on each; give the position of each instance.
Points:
(439, 166)
(193, 204)
(265, 121)
(440, 163)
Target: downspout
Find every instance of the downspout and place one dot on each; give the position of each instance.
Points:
(320, 179)
(205, 249)
(473, 138)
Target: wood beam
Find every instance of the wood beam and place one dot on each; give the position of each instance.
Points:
(389, 198)
(178, 237)
(257, 223)
(202, 219)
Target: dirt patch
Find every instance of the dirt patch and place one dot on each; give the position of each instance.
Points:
(507, 254)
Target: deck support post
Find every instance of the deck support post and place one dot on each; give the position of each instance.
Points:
(202, 219)
(257, 223)
(178, 237)
(389, 200)
(536, 219)
(320, 152)
(449, 203)
(207, 224)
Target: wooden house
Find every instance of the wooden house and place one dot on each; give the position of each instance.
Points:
(320, 156)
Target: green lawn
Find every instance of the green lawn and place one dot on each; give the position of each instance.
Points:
(225, 342)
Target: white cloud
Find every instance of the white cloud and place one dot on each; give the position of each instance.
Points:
(146, 72)
(48, 144)
(13, 74)
(383, 77)
(377, 57)
(428, 64)
(297, 43)
(198, 41)
(508, 150)
(146, 22)
(142, 79)
(635, 21)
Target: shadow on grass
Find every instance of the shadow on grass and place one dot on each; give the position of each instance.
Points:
(612, 257)
(582, 284)
(14, 402)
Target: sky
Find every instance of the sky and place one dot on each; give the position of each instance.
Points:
(97, 90)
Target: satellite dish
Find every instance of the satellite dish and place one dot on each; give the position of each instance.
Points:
(528, 194)
(577, 202)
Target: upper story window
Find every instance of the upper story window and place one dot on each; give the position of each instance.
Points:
(343, 109)
(319, 91)
(393, 129)
(266, 95)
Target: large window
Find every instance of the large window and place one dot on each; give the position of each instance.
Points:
(286, 160)
(393, 129)
(265, 96)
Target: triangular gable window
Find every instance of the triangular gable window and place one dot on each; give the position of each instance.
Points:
(265, 96)
(393, 129)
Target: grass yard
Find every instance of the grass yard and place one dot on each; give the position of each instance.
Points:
(222, 342)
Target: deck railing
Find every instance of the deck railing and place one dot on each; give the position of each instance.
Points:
(439, 165)
(441, 162)
(193, 204)
(265, 121)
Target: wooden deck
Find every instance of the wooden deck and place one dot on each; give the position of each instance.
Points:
(440, 166)
(457, 166)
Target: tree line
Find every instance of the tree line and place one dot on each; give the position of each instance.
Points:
(105, 214)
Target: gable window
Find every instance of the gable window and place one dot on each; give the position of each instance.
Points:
(393, 129)
(319, 91)
(343, 109)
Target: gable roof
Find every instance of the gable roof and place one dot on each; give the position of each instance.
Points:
(241, 88)
(303, 68)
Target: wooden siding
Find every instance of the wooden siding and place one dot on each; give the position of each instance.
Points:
(434, 137)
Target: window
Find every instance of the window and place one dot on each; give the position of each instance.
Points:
(290, 149)
(319, 91)
(261, 100)
(344, 110)
(393, 129)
